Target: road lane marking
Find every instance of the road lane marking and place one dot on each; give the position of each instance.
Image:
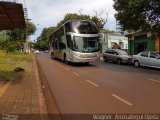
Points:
(67, 69)
(76, 74)
(122, 100)
(153, 80)
(3, 89)
(94, 84)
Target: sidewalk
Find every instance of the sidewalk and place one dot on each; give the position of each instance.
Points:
(23, 99)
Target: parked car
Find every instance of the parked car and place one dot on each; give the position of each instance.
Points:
(116, 55)
(37, 52)
(46, 51)
(147, 58)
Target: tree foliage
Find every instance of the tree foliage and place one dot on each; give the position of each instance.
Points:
(16, 37)
(143, 15)
(9, 46)
(42, 40)
(21, 34)
(31, 28)
(46, 32)
(41, 45)
(74, 16)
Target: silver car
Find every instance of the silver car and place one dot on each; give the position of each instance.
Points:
(146, 58)
(37, 52)
(116, 55)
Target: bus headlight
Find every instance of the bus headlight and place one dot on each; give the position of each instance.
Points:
(97, 55)
(76, 54)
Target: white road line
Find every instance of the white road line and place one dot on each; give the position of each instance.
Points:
(67, 69)
(153, 80)
(122, 100)
(76, 74)
(94, 84)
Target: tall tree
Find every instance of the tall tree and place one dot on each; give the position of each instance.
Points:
(9, 46)
(31, 28)
(73, 16)
(42, 40)
(46, 32)
(21, 34)
(41, 45)
(136, 15)
(16, 37)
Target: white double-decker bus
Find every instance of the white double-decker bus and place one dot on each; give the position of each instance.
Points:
(75, 41)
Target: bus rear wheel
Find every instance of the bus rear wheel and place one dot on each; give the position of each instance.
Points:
(52, 56)
(65, 59)
(86, 63)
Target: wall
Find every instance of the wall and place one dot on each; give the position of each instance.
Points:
(158, 44)
(109, 39)
(150, 44)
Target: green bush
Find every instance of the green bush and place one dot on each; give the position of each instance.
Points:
(8, 63)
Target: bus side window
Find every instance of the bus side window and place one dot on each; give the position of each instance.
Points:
(62, 46)
(69, 42)
(55, 44)
(67, 27)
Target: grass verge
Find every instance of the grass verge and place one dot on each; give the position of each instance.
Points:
(8, 63)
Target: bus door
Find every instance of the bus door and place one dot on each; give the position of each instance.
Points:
(55, 51)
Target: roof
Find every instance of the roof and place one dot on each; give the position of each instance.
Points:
(113, 33)
(137, 33)
(11, 16)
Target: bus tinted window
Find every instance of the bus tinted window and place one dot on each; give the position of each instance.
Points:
(84, 27)
(67, 27)
(69, 41)
(86, 44)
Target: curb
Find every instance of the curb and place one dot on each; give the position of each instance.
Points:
(42, 105)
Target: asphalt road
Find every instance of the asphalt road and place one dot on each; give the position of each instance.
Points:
(101, 87)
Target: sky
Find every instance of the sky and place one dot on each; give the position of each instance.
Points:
(47, 13)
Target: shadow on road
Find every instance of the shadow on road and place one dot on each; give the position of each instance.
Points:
(127, 68)
(76, 64)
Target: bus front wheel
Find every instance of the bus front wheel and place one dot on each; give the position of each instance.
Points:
(65, 59)
(52, 56)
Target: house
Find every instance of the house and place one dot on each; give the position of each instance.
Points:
(109, 39)
(141, 41)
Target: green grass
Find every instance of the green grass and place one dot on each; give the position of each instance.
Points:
(9, 62)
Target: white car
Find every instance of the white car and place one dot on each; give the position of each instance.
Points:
(146, 58)
(37, 52)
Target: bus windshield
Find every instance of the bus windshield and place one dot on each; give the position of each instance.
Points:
(84, 27)
(86, 44)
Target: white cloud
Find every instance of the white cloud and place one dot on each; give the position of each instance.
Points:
(48, 13)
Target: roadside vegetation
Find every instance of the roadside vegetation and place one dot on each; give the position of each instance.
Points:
(42, 41)
(138, 15)
(8, 64)
(11, 55)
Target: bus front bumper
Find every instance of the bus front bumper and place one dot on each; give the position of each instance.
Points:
(77, 59)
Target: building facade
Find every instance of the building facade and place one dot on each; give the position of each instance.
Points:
(109, 39)
(142, 41)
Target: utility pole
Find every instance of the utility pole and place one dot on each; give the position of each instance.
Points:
(26, 44)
